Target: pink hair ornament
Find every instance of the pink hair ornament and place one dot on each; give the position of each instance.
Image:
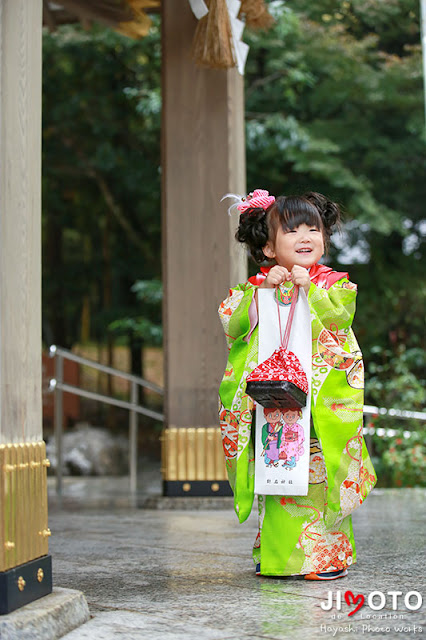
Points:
(259, 198)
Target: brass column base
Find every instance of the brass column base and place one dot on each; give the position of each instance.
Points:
(196, 488)
(193, 462)
(24, 584)
(24, 532)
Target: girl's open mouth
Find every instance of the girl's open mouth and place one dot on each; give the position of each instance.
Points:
(304, 251)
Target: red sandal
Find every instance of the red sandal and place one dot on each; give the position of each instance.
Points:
(330, 575)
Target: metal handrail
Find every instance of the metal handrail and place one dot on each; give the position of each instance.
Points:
(58, 386)
(69, 388)
(394, 413)
(69, 355)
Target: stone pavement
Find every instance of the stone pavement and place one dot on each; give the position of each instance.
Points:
(187, 574)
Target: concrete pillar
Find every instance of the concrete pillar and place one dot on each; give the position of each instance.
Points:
(203, 157)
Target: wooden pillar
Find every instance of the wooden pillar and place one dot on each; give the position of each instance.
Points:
(25, 572)
(203, 157)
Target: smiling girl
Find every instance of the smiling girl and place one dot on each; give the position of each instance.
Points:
(306, 535)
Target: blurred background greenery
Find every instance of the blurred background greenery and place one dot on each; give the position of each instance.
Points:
(334, 103)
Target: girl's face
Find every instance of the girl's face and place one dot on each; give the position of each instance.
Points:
(291, 416)
(301, 246)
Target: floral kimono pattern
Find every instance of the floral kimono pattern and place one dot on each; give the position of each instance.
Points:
(301, 534)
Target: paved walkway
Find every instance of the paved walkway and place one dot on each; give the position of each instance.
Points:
(187, 574)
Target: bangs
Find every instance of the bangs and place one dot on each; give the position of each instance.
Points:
(291, 212)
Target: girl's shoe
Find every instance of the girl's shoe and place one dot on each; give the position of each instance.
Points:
(258, 569)
(331, 575)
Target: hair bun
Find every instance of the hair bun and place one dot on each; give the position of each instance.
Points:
(253, 232)
(328, 210)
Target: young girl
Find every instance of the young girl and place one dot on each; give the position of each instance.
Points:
(308, 535)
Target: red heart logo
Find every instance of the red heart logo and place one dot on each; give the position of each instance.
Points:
(359, 599)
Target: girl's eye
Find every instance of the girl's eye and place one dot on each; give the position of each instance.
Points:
(314, 229)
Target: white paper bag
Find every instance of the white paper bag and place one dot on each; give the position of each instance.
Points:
(282, 461)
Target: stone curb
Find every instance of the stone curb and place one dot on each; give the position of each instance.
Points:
(48, 618)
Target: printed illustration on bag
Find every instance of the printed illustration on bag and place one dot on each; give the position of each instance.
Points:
(285, 294)
(282, 437)
(272, 436)
(292, 438)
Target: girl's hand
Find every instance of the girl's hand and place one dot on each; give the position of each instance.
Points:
(300, 275)
(276, 276)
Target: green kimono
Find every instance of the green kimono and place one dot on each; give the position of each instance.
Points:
(313, 533)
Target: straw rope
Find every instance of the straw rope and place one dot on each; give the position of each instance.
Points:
(213, 44)
(255, 14)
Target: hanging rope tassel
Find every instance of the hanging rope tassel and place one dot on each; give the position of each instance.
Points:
(213, 43)
(255, 14)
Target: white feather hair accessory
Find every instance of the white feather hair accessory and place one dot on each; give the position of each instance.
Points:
(237, 201)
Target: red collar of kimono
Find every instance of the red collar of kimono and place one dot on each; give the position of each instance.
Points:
(324, 277)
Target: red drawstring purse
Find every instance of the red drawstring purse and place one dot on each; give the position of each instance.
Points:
(280, 381)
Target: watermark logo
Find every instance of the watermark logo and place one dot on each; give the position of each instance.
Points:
(358, 600)
(376, 600)
(345, 604)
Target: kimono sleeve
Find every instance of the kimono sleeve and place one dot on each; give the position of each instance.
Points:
(334, 306)
(236, 408)
(238, 313)
(338, 399)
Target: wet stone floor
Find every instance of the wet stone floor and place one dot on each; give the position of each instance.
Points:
(188, 574)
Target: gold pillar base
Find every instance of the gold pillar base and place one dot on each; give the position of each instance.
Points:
(24, 532)
(193, 462)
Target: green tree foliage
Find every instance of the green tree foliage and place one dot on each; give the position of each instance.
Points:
(400, 456)
(334, 103)
(101, 177)
(144, 328)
